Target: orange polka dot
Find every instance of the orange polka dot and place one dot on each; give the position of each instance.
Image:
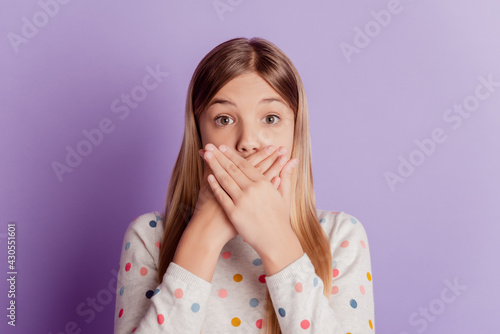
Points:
(298, 287)
(335, 290)
(178, 293)
(226, 255)
(144, 271)
(222, 293)
(370, 323)
(335, 272)
(362, 289)
(369, 276)
(128, 266)
(158, 244)
(237, 277)
(305, 324)
(344, 244)
(362, 244)
(120, 314)
(235, 321)
(161, 319)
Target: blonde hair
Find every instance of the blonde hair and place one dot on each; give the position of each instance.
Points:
(223, 63)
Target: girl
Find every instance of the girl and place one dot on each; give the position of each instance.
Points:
(241, 246)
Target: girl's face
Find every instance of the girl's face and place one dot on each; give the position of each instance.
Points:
(247, 115)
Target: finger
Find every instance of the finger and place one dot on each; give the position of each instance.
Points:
(276, 167)
(286, 180)
(222, 197)
(258, 157)
(226, 172)
(241, 171)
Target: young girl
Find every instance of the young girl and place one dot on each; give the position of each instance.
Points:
(241, 246)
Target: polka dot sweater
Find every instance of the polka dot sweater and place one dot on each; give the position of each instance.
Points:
(234, 302)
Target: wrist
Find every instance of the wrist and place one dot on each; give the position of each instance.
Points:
(281, 253)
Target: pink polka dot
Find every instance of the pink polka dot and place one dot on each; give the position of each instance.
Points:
(120, 314)
(344, 244)
(335, 272)
(144, 271)
(362, 289)
(362, 244)
(158, 244)
(335, 290)
(178, 293)
(161, 319)
(262, 278)
(128, 266)
(258, 323)
(226, 255)
(304, 324)
(222, 293)
(298, 287)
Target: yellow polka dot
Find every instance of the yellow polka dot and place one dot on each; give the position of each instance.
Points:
(235, 321)
(370, 323)
(237, 278)
(369, 276)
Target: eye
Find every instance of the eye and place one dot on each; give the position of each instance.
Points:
(225, 118)
(272, 116)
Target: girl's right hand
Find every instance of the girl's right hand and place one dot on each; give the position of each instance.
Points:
(216, 224)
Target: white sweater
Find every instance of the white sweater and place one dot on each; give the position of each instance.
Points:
(234, 302)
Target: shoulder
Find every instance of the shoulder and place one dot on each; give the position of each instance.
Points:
(342, 228)
(146, 230)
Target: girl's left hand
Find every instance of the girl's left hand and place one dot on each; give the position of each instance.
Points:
(259, 212)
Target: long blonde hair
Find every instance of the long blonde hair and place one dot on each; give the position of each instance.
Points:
(223, 63)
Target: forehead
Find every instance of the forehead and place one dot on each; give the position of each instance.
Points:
(248, 88)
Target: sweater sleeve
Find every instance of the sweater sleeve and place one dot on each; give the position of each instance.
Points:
(177, 305)
(297, 292)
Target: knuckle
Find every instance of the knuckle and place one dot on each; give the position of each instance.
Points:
(232, 168)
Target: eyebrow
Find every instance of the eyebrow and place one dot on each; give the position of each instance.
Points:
(266, 100)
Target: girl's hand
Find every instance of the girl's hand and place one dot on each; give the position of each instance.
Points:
(216, 222)
(259, 211)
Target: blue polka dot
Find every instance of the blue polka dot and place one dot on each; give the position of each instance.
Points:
(158, 218)
(315, 282)
(149, 294)
(127, 245)
(334, 263)
(254, 302)
(156, 291)
(322, 220)
(195, 307)
(353, 303)
(257, 262)
(152, 223)
(121, 290)
(354, 221)
(281, 311)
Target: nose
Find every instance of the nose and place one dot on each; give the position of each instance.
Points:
(250, 140)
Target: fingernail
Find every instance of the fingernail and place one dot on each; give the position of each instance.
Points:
(222, 148)
(294, 163)
(282, 150)
(270, 149)
(210, 147)
(200, 152)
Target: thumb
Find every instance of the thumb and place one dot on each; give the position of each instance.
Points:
(286, 180)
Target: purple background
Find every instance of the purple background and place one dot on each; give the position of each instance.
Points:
(441, 223)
